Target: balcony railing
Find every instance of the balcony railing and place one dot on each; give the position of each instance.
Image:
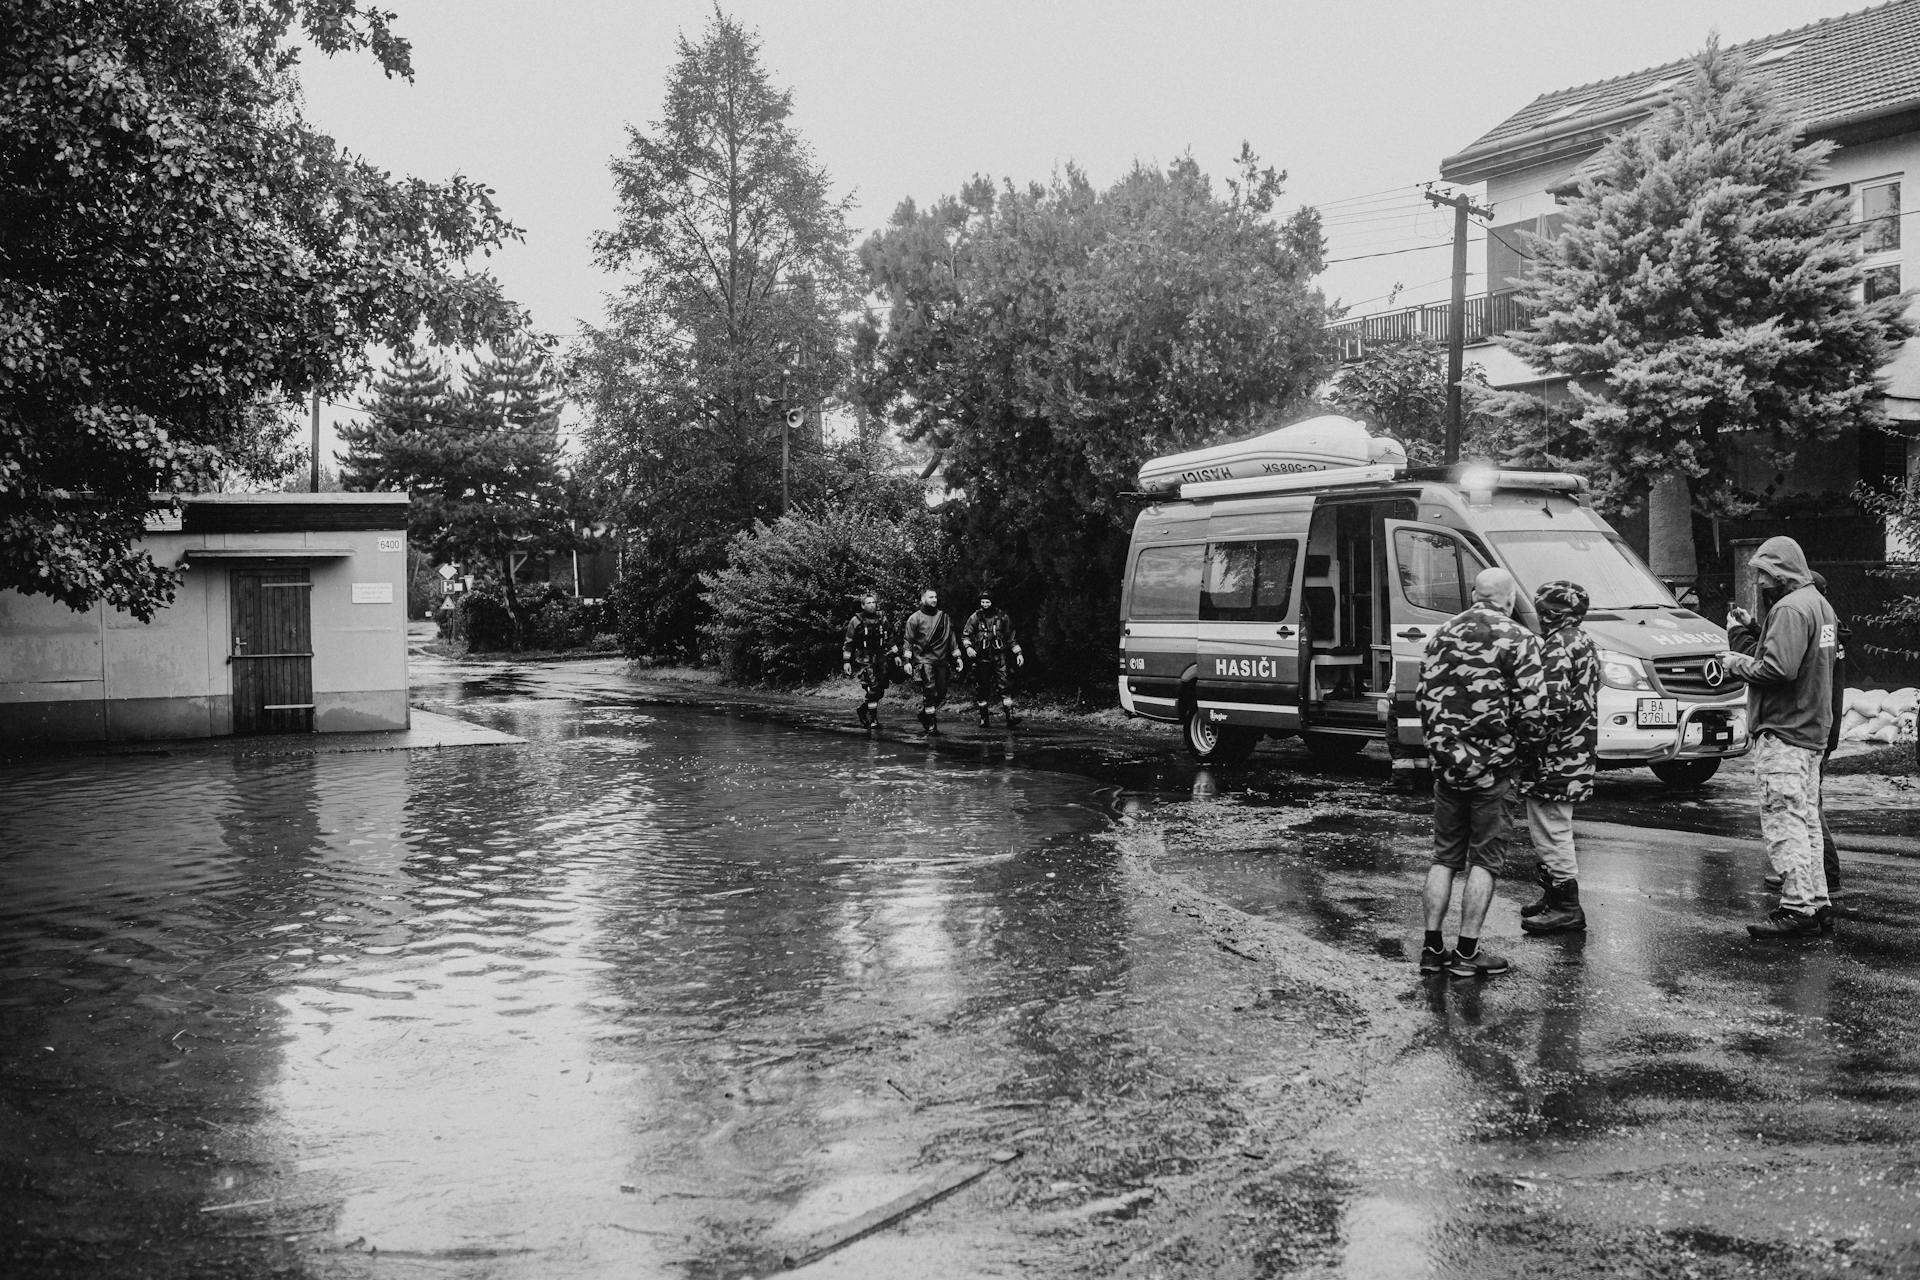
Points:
(1487, 315)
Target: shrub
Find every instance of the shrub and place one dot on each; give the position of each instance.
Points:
(554, 619)
(782, 603)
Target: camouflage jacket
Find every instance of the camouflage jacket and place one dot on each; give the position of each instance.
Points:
(1480, 697)
(1560, 765)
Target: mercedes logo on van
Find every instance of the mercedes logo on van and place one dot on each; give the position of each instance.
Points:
(1713, 673)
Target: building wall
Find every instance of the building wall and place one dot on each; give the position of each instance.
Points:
(102, 674)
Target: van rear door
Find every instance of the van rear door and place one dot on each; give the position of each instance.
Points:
(1430, 572)
(1158, 610)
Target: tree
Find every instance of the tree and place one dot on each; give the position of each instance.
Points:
(1699, 294)
(738, 279)
(781, 604)
(481, 461)
(1400, 388)
(1047, 340)
(178, 246)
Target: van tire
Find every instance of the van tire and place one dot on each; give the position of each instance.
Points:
(1334, 746)
(1216, 743)
(1685, 773)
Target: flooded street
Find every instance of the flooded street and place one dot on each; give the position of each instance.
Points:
(661, 990)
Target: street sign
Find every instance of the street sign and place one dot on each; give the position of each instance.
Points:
(447, 571)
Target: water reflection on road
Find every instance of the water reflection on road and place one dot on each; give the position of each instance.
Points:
(567, 1003)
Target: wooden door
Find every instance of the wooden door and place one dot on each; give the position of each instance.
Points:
(272, 656)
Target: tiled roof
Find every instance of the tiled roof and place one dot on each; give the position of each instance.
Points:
(1858, 64)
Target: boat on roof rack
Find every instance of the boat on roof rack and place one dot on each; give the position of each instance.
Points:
(1324, 452)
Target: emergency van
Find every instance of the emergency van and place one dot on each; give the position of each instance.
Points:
(1288, 585)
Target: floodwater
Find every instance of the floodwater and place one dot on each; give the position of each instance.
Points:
(664, 991)
(617, 1001)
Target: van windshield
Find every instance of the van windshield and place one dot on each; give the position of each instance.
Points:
(1615, 578)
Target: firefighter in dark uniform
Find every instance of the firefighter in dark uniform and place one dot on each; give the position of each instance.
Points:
(866, 653)
(928, 647)
(994, 651)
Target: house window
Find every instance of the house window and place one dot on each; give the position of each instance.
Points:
(1880, 218)
(1882, 282)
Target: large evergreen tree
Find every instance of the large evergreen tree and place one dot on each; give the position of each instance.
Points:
(1047, 340)
(1698, 292)
(481, 460)
(179, 249)
(737, 281)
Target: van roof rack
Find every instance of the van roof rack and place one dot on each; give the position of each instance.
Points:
(1474, 477)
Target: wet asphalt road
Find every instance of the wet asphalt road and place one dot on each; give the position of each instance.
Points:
(664, 990)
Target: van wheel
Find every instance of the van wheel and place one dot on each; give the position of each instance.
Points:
(1216, 743)
(1334, 746)
(1685, 773)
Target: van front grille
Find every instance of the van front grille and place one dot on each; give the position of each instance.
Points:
(1688, 677)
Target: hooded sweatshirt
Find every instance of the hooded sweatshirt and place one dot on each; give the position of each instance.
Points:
(1560, 766)
(1788, 664)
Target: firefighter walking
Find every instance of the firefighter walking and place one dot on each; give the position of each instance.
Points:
(866, 653)
(994, 651)
(931, 651)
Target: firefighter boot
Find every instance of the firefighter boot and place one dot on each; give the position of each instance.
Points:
(986, 718)
(1012, 718)
(1562, 914)
(1543, 878)
(864, 714)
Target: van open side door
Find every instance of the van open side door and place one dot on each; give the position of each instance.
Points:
(1430, 572)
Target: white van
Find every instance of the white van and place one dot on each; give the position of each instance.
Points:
(1289, 584)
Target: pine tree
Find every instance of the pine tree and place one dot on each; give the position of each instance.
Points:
(481, 461)
(1698, 293)
(736, 279)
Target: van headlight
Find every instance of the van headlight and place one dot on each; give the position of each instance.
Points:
(1620, 671)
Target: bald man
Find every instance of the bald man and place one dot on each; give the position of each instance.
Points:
(1482, 699)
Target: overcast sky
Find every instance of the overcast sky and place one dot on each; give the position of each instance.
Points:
(1357, 100)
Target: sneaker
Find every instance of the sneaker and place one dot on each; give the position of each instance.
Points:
(1784, 922)
(1432, 961)
(1481, 964)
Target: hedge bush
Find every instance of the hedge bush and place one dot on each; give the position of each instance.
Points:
(782, 603)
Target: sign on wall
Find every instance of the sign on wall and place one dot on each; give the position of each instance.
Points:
(373, 593)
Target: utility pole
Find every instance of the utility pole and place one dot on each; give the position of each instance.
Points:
(1457, 318)
(313, 477)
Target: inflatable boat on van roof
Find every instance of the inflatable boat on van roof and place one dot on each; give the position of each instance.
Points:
(1317, 453)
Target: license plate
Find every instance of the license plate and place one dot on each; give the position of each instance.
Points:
(1656, 713)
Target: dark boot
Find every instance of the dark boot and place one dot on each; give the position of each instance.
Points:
(1784, 923)
(926, 720)
(986, 715)
(1012, 719)
(1562, 913)
(864, 714)
(1543, 878)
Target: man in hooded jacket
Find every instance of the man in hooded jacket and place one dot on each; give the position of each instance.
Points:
(1558, 772)
(1789, 676)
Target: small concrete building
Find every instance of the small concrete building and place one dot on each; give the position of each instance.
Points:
(291, 617)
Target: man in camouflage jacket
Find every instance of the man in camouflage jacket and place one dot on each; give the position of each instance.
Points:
(1558, 772)
(1480, 706)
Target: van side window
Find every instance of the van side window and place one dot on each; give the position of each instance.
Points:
(1248, 581)
(1166, 583)
(1433, 573)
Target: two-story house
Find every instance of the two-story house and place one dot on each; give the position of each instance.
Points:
(1854, 79)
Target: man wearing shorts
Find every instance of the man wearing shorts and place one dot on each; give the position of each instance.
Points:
(1481, 703)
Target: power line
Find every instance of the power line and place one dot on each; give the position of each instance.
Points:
(1389, 253)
